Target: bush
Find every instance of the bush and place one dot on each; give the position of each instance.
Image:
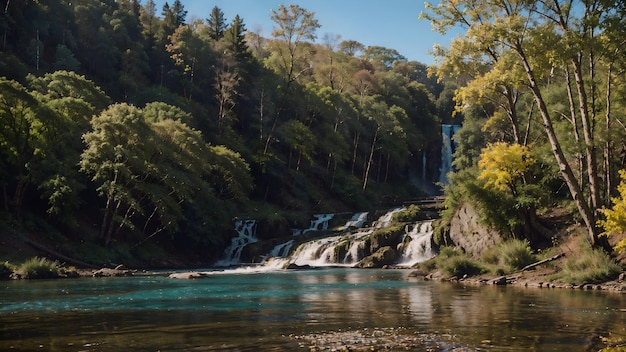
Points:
(590, 266)
(454, 263)
(461, 266)
(512, 254)
(516, 254)
(39, 268)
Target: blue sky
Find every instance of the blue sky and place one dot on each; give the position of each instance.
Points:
(392, 23)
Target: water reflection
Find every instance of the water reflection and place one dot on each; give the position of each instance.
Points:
(268, 311)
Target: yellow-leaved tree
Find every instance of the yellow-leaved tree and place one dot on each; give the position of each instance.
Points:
(503, 165)
(615, 217)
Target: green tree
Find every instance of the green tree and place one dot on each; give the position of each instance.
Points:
(387, 57)
(72, 100)
(21, 134)
(294, 25)
(216, 24)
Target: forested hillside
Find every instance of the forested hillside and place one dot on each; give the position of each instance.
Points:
(123, 125)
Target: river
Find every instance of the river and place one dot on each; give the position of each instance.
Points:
(329, 308)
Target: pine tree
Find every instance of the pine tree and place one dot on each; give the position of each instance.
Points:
(216, 23)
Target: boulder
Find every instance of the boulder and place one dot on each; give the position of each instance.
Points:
(469, 235)
(383, 256)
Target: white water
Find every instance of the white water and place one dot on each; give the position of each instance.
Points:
(447, 149)
(281, 250)
(417, 244)
(323, 252)
(247, 234)
(357, 221)
(320, 223)
(345, 249)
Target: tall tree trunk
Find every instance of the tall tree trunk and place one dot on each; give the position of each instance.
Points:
(370, 159)
(585, 211)
(574, 122)
(590, 150)
(608, 172)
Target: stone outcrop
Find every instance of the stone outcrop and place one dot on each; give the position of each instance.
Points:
(468, 234)
(382, 257)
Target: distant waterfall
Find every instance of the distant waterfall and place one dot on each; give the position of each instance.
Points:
(447, 149)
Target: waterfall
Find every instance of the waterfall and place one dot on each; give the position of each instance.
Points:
(281, 250)
(320, 223)
(246, 230)
(447, 149)
(357, 221)
(339, 249)
(384, 220)
(417, 244)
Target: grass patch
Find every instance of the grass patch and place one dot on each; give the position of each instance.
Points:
(590, 266)
(453, 263)
(510, 255)
(40, 268)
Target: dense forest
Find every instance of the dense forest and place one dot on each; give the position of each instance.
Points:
(124, 125)
(133, 133)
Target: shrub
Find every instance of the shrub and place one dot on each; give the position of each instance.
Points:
(454, 263)
(512, 254)
(39, 268)
(461, 266)
(516, 254)
(590, 266)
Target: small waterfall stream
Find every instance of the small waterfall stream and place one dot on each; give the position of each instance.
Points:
(417, 244)
(246, 230)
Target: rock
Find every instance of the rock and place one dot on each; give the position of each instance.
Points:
(189, 275)
(383, 256)
(469, 235)
(499, 280)
(107, 272)
(294, 266)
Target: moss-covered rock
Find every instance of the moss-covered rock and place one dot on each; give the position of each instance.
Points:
(383, 256)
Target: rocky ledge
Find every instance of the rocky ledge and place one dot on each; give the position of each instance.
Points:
(537, 278)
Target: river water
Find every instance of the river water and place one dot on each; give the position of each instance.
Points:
(329, 308)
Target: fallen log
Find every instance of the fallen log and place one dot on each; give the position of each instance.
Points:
(530, 266)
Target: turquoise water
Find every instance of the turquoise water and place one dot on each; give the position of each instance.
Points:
(294, 310)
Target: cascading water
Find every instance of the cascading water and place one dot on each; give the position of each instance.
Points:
(417, 244)
(281, 250)
(247, 234)
(345, 249)
(357, 221)
(326, 251)
(320, 223)
(447, 149)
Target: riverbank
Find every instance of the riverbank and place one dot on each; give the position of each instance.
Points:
(569, 243)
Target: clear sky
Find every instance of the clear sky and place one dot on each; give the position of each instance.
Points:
(392, 24)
